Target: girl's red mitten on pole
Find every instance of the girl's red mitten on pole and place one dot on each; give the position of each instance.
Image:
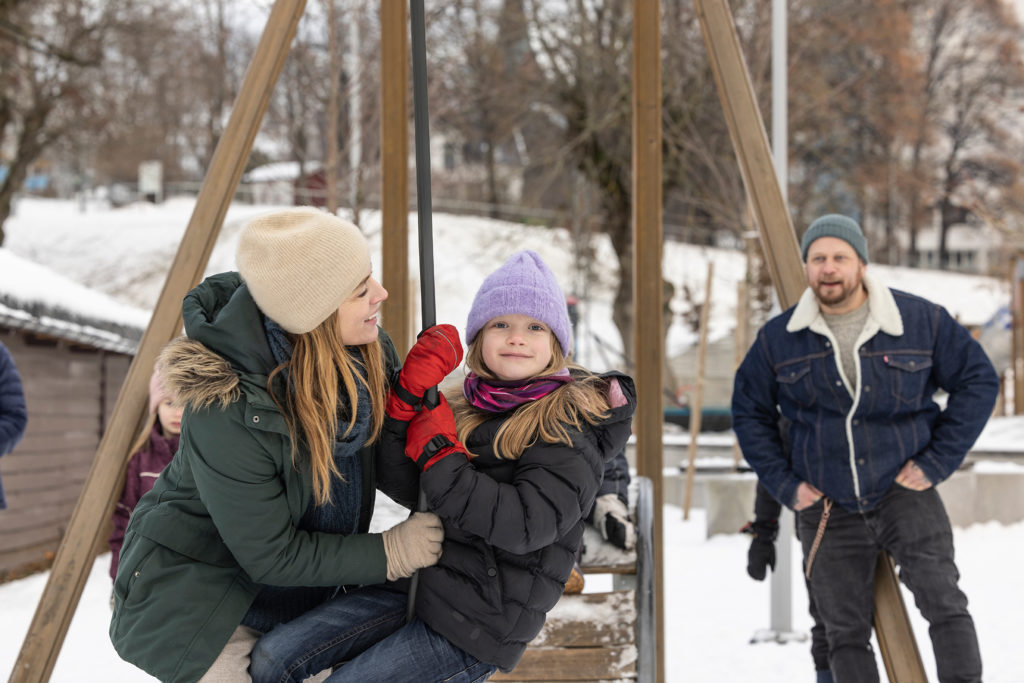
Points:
(437, 351)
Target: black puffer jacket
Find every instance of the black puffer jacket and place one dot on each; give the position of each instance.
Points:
(512, 528)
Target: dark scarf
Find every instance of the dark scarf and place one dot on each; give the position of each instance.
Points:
(276, 604)
(498, 396)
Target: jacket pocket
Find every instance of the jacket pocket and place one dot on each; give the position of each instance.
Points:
(794, 382)
(908, 375)
(473, 569)
(136, 555)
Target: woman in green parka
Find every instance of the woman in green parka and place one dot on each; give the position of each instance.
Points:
(263, 513)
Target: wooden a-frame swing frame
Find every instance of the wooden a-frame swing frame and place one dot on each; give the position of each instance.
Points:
(74, 557)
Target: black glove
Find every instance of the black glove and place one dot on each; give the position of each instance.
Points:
(761, 554)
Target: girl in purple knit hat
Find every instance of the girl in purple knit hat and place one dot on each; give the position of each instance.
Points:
(511, 466)
(151, 453)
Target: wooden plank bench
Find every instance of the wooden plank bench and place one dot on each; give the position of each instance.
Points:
(603, 637)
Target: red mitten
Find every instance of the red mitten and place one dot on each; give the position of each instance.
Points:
(431, 435)
(436, 353)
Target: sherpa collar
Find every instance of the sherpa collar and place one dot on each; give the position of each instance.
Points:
(882, 309)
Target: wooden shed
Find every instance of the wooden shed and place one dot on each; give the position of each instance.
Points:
(72, 366)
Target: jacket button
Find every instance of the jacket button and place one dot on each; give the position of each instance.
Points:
(136, 574)
(867, 387)
(856, 422)
(255, 419)
(839, 382)
(861, 461)
(491, 571)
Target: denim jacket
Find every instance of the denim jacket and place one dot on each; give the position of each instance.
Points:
(850, 441)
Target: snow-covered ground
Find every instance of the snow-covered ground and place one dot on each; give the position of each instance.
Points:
(712, 607)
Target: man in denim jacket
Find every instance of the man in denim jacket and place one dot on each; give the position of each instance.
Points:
(854, 367)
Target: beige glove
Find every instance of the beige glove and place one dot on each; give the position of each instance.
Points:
(414, 543)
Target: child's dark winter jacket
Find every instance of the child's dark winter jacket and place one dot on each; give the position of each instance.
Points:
(512, 528)
(143, 469)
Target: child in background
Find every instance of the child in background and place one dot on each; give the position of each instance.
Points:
(152, 452)
(538, 432)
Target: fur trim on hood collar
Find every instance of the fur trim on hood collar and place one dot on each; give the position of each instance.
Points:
(883, 309)
(198, 376)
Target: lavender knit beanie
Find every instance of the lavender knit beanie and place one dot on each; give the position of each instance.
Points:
(523, 284)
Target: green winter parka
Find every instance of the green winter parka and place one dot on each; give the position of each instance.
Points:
(222, 519)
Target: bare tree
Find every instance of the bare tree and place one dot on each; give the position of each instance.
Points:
(333, 106)
(979, 79)
(482, 82)
(319, 108)
(852, 113)
(50, 53)
(155, 110)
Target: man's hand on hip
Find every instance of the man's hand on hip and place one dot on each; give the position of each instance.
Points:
(912, 477)
(806, 496)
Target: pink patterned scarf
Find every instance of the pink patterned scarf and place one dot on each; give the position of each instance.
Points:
(497, 396)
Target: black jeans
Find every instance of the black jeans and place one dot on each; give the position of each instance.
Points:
(914, 528)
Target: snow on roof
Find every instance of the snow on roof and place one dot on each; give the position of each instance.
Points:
(37, 299)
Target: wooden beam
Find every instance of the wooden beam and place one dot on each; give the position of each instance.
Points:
(394, 146)
(750, 142)
(697, 398)
(740, 350)
(782, 255)
(580, 664)
(648, 343)
(896, 643)
(74, 558)
(1017, 332)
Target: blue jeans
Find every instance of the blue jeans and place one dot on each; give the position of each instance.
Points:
(364, 636)
(913, 527)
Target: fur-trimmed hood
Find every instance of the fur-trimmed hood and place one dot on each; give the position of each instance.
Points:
(224, 351)
(198, 376)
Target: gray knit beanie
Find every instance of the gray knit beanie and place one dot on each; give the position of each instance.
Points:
(523, 284)
(835, 225)
(300, 264)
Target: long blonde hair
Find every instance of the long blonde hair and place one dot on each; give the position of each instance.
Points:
(585, 399)
(143, 438)
(319, 358)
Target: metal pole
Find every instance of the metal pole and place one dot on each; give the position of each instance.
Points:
(781, 621)
(423, 207)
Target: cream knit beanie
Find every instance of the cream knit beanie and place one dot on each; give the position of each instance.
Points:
(300, 264)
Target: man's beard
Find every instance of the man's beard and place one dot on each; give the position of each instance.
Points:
(834, 296)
